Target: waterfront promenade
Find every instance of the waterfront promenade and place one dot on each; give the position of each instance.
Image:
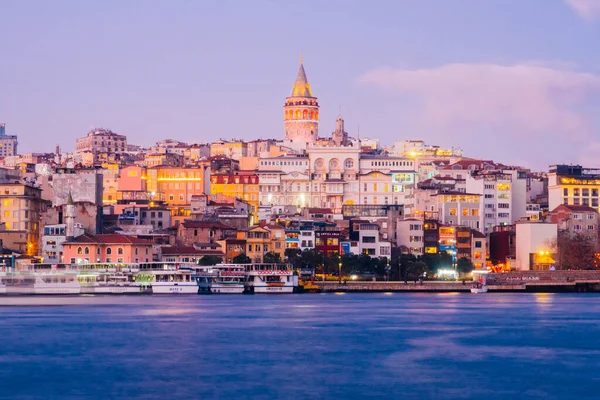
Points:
(514, 281)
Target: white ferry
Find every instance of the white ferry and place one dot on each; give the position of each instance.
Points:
(56, 283)
(173, 281)
(270, 278)
(222, 278)
(108, 284)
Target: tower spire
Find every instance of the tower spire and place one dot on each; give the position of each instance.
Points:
(301, 58)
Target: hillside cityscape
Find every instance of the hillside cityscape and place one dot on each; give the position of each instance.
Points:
(333, 202)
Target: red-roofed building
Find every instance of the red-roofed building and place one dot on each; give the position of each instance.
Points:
(112, 248)
(189, 253)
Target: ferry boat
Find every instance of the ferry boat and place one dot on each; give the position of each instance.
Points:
(173, 281)
(108, 284)
(270, 278)
(222, 278)
(56, 283)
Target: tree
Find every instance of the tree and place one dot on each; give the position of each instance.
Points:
(573, 250)
(464, 266)
(272, 257)
(415, 270)
(242, 259)
(292, 254)
(310, 258)
(210, 260)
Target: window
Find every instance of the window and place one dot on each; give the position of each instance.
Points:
(590, 216)
(575, 192)
(465, 212)
(566, 201)
(86, 250)
(576, 202)
(594, 192)
(503, 205)
(489, 196)
(147, 252)
(453, 211)
(119, 260)
(98, 251)
(120, 251)
(79, 250)
(585, 192)
(475, 212)
(136, 251)
(590, 227)
(585, 202)
(257, 247)
(478, 244)
(577, 216)
(565, 192)
(249, 248)
(577, 227)
(108, 260)
(108, 250)
(502, 215)
(594, 202)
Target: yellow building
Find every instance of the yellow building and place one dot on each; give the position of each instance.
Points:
(20, 208)
(263, 239)
(240, 184)
(235, 149)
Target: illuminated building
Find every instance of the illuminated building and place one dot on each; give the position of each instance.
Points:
(301, 113)
(114, 248)
(504, 196)
(239, 184)
(234, 149)
(532, 245)
(457, 208)
(573, 185)
(20, 208)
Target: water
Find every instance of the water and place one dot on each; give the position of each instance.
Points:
(350, 346)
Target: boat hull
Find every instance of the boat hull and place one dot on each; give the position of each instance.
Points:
(50, 289)
(111, 289)
(175, 288)
(227, 289)
(258, 289)
(479, 290)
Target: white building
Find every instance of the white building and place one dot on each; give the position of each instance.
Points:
(52, 240)
(504, 196)
(533, 241)
(410, 235)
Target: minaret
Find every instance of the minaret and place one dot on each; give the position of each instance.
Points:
(301, 111)
(70, 218)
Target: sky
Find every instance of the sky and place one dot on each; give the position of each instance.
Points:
(516, 81)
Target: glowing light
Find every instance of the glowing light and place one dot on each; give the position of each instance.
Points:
(354, 277)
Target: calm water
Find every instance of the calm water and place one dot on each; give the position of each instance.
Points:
(351, 346)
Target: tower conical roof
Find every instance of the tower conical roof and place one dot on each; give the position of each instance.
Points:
(70, 199)
(301, 87)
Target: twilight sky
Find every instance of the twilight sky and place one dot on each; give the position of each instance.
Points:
(511, 80)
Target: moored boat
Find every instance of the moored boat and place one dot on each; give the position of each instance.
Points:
(270, 278)
(222, 278)
(173, 281)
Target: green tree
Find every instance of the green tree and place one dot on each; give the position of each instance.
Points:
(242, 259)
(272, 257)
(464, 266)
(415, 270)
(210, 260)
(292, 255)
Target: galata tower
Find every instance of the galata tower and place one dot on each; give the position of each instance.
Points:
(301, 111)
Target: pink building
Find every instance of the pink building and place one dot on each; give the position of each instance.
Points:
(114, 248)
